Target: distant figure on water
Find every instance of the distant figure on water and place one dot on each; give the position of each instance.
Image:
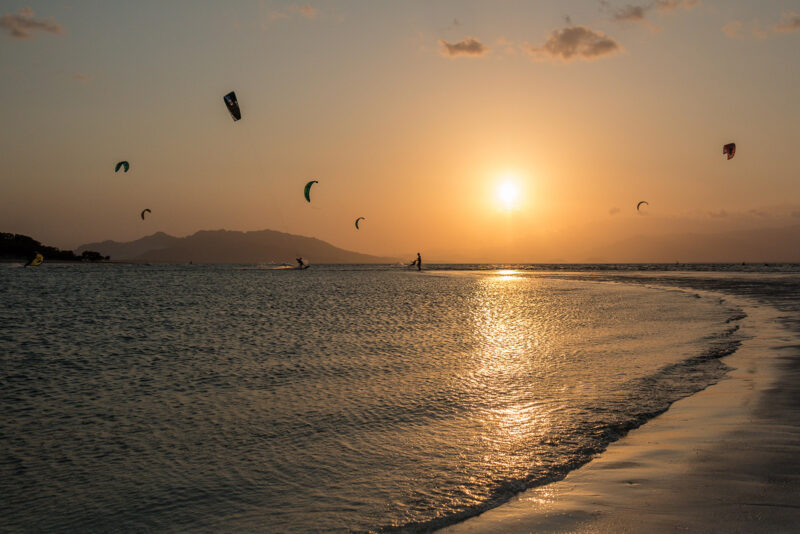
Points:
(35, 261)
(417, 262)
(300, 263)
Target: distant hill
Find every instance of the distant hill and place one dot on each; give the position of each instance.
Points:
(18, 247)
(225, 246)
(132, 249)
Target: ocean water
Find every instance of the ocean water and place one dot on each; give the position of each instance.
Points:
(241, 398)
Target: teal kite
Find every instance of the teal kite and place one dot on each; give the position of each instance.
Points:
(122, 164)
(307, 190)
(359, 219)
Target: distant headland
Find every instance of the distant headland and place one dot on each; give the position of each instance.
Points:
(18, 247)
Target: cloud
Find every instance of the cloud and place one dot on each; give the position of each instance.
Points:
(638, 13)
(289, 11)
(614, 211)
(790, 22)
(468, 47)
(576, 42)
(630, 13)
(277, 15)
(721, 214)
(82, 78)
(757, 32)
(508, 46)
(24, 23)
(733, 29)
(307, 11)
(672, 5)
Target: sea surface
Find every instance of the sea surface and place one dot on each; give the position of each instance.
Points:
(179, 398)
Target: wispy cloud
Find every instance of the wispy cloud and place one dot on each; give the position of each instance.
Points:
(737, 29)
(576, 42)
(790, 22)
(24, 23)
(468, 47)
(639, 12)
(305, 11)
(614, 211)
(630, 13)
(508, 46)
(733, 29)
(758, 32)
(672, 5)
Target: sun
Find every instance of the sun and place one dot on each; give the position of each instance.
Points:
(508, 194)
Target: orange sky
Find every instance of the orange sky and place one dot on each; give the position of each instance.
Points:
(411, 116)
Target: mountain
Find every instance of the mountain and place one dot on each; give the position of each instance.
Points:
(132, 249)
(225, 246)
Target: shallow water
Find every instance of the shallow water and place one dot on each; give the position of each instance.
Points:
(140, 398)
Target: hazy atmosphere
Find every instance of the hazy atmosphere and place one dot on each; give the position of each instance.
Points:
(474, 131)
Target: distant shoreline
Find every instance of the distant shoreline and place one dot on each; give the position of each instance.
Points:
(434, 266)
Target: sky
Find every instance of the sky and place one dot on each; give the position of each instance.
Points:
(470, 130)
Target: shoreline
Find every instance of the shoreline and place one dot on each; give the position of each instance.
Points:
(711, 462)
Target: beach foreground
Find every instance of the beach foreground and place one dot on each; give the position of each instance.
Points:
(724, 460)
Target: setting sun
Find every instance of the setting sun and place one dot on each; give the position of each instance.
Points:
(508, 193)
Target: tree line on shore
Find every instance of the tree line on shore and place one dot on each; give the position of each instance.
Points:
(18, 247)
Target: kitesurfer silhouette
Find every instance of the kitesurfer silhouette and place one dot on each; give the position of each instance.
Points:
(35, 261)
(417, 262)
(300, 263)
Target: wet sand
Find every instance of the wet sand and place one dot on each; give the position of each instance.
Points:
(724, 460)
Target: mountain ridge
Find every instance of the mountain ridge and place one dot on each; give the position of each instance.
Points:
(229, 246)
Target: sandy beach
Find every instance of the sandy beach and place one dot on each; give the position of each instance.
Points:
(724, 460)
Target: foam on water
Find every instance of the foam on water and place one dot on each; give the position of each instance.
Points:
(223, 398)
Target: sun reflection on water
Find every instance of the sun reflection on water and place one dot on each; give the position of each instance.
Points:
(508, 324)
(507, 274)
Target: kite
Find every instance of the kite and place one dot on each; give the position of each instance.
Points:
(233, 106)
(307, 190)
(729, 149)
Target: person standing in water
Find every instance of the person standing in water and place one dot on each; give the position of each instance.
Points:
(418, 261)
